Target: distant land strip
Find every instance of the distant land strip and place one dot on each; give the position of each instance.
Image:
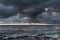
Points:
(27, 24)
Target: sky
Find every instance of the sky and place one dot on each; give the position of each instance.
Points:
(11, 7)
(29, 8)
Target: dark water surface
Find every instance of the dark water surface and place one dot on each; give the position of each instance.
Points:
(52, 31)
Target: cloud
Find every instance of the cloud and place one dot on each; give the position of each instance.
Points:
(6, 10)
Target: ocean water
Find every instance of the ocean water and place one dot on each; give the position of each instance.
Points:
(52, 31)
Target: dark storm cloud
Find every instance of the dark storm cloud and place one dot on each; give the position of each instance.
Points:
(32, 7)
(6, 10)
(27, 3)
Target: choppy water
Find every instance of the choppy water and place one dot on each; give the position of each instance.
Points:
(51, 31)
